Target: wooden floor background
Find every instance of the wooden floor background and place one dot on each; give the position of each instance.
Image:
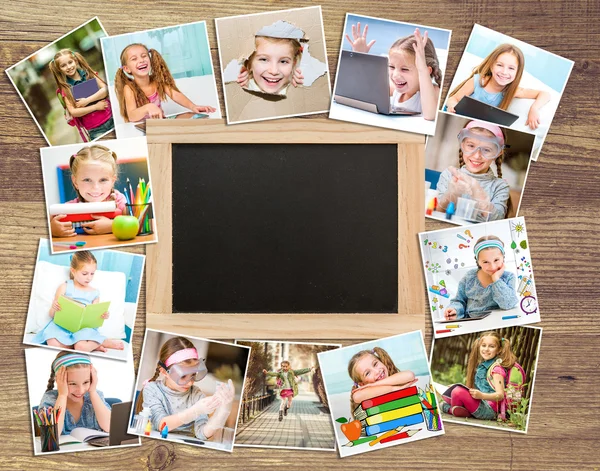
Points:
(560, 204)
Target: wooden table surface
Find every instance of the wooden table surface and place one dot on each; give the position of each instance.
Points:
(560, 205)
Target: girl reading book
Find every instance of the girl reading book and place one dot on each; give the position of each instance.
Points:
(76, 397)
(77, 288)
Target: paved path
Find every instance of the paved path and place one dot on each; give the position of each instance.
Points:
(305, 426)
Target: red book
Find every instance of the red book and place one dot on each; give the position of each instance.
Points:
(88, 216)
(393, 396)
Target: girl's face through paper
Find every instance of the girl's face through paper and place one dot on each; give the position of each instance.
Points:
(273, 64)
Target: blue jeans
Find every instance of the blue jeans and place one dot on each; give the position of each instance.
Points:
(102, 129)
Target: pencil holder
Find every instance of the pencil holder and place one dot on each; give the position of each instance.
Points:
(143, 212)
(49, 437)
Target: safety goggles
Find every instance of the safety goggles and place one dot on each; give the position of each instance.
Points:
(489, 147)
(183, 374)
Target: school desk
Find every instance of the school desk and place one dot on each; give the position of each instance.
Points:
(63, 448)
(180, 438)
(402, 123)
(493, 321)
(107, 241)
(71, 447)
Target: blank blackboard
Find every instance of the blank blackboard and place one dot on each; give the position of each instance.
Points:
(276, 228)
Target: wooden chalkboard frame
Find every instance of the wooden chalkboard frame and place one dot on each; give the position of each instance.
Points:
(162, 134)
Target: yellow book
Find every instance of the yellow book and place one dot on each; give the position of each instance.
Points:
(395, 414)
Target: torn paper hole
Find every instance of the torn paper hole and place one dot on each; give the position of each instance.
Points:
(272, 64)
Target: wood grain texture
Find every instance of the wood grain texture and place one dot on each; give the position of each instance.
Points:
(560, 205)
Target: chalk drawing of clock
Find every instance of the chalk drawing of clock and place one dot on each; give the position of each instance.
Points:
(529, 305)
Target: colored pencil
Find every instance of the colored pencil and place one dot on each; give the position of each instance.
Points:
(401, 435)
(385, 435)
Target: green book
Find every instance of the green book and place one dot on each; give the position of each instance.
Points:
(388, 406)
(75, 316)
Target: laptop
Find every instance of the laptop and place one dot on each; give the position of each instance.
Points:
(472, 316)
(119, 420)
(363, 82)
(85, 89)
(476, 109)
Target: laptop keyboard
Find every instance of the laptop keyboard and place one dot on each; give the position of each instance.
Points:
(104, 441)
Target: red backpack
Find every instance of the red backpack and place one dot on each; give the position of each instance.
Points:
(513, 387)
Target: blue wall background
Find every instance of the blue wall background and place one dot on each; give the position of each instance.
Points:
(545, 66)
(407, 352)
(184, 48)
(108, 260)
(385, 33)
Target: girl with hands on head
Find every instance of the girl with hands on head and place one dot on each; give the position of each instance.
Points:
(487, 287)
(174, 400)
(77, 288)
(414, 71)
(81, 404)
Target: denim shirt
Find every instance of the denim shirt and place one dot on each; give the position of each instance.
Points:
(87, 418)
(481, 381)
(82, 74)
(471, 296)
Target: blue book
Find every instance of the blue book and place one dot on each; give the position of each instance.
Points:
(392, 424)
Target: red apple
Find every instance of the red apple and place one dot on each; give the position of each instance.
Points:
(352, 430)
(125, 227)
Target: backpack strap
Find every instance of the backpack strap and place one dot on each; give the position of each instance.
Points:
(490, 380)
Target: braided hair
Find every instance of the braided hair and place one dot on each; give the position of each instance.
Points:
(169, 347)
(52, 379)
(498, 162)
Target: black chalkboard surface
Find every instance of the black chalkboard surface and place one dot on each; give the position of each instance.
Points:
(302, 228)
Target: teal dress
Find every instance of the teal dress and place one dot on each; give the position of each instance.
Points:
(486, 411)
(480, 94)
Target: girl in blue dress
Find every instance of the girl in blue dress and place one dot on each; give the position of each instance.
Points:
(80, 404)
(496, 82)
(77, 288)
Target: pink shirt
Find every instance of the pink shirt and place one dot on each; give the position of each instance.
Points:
(502, 372)
(95, 118)
(119, 200)
(155, 99)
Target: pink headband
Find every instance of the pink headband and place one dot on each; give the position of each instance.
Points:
(495, 130)
(182, 355)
